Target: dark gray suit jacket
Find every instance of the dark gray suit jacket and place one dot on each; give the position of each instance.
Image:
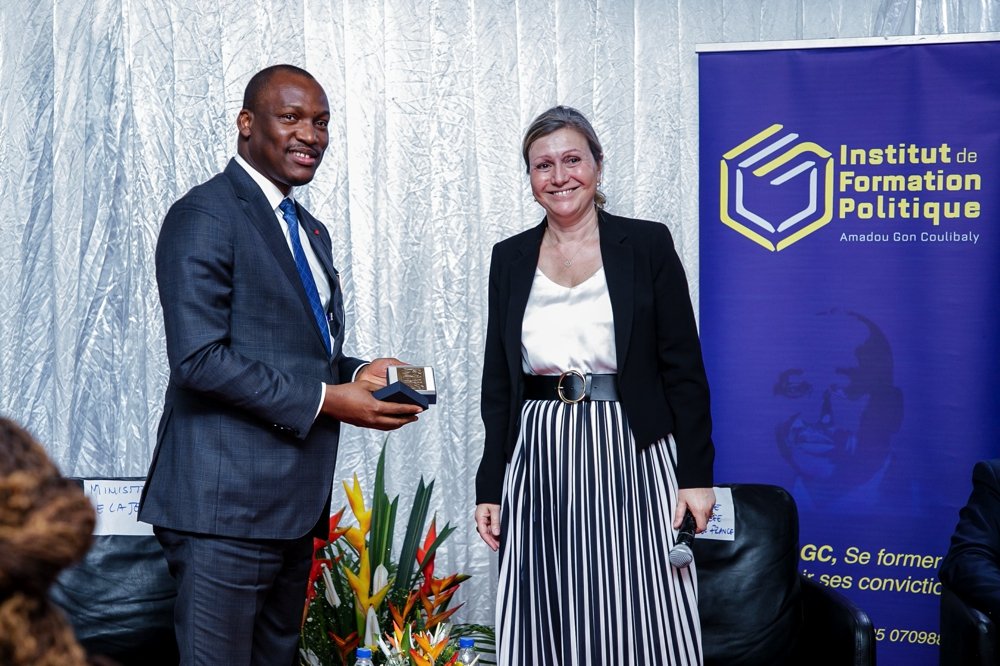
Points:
(239, 451)
(661, 376)
(972, 566)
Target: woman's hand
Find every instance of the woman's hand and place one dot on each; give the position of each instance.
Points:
(699, 501)
(488, 524)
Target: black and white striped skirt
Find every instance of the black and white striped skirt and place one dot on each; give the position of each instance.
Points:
(586, 528)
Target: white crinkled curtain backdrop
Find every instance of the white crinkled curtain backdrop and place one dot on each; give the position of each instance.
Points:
(111, 109)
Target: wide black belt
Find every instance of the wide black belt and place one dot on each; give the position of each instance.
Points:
(571, 386)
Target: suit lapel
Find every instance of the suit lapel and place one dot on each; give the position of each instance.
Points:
(522, 274)
(261, 216)
(257, 210)
(319, 239)
(618, 257)
(317, 234)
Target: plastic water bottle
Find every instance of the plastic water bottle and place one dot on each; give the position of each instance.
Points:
(364, 656)
(467, 651)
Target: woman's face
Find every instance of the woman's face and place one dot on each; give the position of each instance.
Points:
(564, 176)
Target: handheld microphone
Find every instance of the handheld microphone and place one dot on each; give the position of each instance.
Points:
(681, 554)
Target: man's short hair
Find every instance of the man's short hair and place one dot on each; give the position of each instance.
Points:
(259, 81)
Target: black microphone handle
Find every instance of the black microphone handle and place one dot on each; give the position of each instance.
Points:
(685, 534)
(681, 554)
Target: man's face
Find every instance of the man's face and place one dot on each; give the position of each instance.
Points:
(839, 409)
(285, 135)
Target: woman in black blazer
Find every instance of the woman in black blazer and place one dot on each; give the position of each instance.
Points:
(598, 432)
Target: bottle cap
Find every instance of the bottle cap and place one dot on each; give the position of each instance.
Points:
(364, 653)
(466, 642)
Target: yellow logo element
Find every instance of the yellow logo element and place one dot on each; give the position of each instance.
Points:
(776, 199)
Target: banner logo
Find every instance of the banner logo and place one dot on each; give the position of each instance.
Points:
(776, 190)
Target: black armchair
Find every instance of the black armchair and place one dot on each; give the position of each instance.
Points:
(756, 609)
(968, 636)
(120, 600)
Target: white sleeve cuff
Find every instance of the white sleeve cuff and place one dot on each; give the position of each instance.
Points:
(322, 399)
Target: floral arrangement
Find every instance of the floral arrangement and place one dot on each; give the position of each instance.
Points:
(359, 596)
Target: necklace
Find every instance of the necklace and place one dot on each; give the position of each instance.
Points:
(568, 261)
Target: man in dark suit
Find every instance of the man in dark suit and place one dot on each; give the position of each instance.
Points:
(241, 478)
(972, 566)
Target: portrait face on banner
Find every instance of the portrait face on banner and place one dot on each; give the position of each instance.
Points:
(837, 409)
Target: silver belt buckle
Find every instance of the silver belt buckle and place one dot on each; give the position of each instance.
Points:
(559, 387)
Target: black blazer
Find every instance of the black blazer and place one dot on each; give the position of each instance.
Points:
(972, 566)
(660, 370)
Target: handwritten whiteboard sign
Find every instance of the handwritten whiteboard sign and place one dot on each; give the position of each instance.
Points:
(117, 504)
(722, 524)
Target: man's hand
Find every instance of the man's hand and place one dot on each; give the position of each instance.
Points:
(353, 403)
(375, 371)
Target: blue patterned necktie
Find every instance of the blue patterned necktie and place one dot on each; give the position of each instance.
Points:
(305, 273)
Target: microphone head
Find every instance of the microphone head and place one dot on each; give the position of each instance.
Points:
(681, 555)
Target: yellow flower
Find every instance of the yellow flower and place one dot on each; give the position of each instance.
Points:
(431, 645)
(357, 502)
(356, 538)
(361, 584)
(362, 563)
(420, 660)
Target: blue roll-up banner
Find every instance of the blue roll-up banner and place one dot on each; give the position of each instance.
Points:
(850, 299)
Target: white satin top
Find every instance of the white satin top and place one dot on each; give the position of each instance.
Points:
(568, 328)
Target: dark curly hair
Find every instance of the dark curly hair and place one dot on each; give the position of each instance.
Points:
(45, 525)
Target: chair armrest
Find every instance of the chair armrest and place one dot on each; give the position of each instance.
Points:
(120, 599)
(834, 631)
(968, 636)
(749, 597)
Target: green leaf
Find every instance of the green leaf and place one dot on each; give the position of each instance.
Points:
(404, 577)
(441, 536)
(383, 518)
(414, 529)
